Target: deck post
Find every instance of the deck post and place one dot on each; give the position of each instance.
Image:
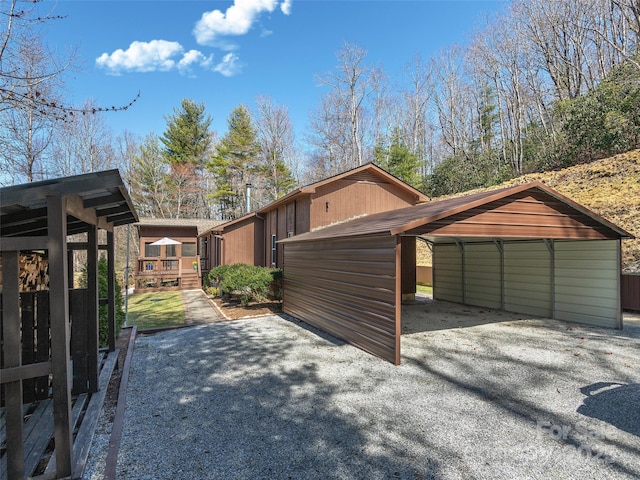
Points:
(59, 311)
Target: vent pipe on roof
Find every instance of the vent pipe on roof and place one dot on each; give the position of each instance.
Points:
(248, 195)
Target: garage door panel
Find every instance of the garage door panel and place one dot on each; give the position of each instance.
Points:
(587, 291)
(527, 278)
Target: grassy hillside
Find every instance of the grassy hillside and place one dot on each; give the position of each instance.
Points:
(609, 187)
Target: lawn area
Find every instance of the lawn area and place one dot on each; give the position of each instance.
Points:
(156, 309)
(424, 289)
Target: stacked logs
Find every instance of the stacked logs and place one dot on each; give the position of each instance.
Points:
(34, 272)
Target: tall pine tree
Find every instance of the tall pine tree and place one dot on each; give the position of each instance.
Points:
(234, 163)
(187, 146)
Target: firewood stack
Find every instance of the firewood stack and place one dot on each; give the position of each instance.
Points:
(34, 272)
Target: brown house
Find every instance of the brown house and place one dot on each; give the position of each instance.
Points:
(253, 238)
(174, 264)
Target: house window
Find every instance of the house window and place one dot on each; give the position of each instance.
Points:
(151, 250)
(171, 250)
(189, 249)
(273, 250)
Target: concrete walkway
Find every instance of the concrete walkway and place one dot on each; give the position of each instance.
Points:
(199, 309)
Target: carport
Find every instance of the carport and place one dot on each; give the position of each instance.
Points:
(523, 249)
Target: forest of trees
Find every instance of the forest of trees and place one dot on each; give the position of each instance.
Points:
(542, 85)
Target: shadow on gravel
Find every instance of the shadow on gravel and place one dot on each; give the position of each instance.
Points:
(229, 402)
(614, 403)
(427, 315)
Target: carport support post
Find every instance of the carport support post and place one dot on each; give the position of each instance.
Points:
(552, 270)
(398, 301)
(463, 264)
(500, 245)
(59, 314)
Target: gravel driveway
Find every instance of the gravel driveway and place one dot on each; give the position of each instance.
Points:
(271, 398)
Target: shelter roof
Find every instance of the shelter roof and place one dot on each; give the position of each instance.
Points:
(98, 198)
(423, 219)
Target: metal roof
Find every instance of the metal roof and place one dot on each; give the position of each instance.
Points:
(23, 208)
(410, 218)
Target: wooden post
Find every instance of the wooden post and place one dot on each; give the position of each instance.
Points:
(27, 304)
(59, 310)
(12, 358)
(78, 312)
(398, 301)
(92, 329)
(44, 342)
(111, 293)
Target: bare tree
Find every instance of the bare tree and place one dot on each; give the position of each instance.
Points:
(82, 144)
(416, 122)
(19, 20)
(350, 86)
(328, 135)
(275, 134)
(25, 134)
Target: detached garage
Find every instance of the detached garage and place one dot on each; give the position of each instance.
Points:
(524, 249)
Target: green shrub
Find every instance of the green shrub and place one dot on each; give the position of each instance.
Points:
(103, 310)
(248, 282)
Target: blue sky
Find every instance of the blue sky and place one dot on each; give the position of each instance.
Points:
(226, 53)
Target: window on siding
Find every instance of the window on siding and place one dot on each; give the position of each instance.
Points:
(273, 250)
(151, 250)
(189, 249)
(171, 250)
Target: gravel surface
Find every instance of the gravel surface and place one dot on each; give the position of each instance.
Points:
(271, 398)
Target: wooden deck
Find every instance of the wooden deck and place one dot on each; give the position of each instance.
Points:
(39, 454)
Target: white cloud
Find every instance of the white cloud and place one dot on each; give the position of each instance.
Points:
(156, 55)
(229, 66)
(236, 20)
(153, 56)
(286, 7)
(194, 57)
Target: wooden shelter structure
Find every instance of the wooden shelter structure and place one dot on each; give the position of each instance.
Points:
(45, 341)
(524, 249)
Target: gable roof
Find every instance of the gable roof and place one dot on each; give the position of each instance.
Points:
(371, 168)
(23, 208)
(434, 217)
(312, 187)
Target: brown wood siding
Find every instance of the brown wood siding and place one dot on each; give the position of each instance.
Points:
(526, 215)
(164, 231)
(346, 287)
(303, 218)
(239, 244)
(408, 265)
(348, 199)
(281, 231)
(630, 289)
